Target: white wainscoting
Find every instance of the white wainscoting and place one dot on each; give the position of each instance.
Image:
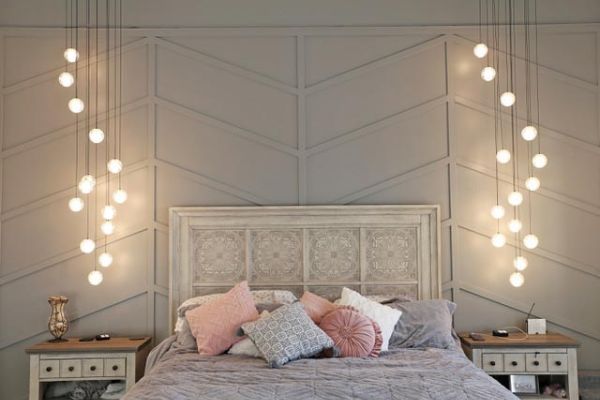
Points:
(274, 116)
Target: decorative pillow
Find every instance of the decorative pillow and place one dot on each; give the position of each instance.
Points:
(215, 325)
(246, 347)
(386, 317)
(259, 296)
(425, 323)
(286, 335)
(316, 306)
(352, 332)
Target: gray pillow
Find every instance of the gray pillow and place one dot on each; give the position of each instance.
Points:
(286, 335)
(425, 323)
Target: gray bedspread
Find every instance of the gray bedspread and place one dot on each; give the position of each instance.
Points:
(403, 374)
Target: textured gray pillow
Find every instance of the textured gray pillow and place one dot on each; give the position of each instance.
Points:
(425, 323)
(286, 335)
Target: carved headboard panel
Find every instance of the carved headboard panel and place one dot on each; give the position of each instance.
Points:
(386, 250)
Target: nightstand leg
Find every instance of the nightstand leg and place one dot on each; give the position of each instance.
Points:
(34, 373)
(573, 375)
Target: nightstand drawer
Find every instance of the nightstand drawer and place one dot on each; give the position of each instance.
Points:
(93, 367)
(49, 369)
(514, 362)
(492, 362)
(114, 367)
(70, 368)
(557, 362)
(536, 362)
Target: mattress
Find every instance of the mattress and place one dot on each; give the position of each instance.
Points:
(407, 374)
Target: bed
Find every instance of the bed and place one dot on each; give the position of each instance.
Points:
(385, 251)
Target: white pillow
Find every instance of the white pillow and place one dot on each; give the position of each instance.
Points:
(247, 347)
(386, 317)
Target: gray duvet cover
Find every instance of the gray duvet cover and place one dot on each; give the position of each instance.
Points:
(402, 374)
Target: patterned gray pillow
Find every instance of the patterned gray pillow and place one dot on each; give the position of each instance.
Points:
(286, 335)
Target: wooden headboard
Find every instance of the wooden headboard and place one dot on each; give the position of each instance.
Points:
(381, 250)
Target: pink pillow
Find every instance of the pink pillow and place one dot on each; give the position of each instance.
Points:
(316, 306)
(215, 324)
(353, 333)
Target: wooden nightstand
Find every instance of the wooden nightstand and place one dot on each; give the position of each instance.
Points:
(552, 358)
(115, 359)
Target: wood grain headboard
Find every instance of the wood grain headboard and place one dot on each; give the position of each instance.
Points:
(384, 250)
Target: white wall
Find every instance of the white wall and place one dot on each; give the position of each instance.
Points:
(293, 116)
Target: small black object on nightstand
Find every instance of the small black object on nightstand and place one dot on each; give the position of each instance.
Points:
(500, 332)
(103, 336)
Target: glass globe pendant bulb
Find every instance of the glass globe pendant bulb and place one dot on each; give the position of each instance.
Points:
(530, 241)
(507, 99)
(107, 227)
(105, 260)
(71, 55)
(95, 278)
(114, 166)
(108, 212)
(503, 156)
(529, 133)
(76, 204)
(66, 80)
(488, 74)
(76, 105)
(539, 160)
(87, 184)
(517, 279)
(96, 135)
(498, 240)
(480, 50)
(120, 196)
(497, 212)
(532, 183)
(87, 246)
(520, 263)
(515, 199)
(514, 225)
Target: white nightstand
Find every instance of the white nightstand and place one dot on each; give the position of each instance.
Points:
(115, 359)
(552, 358)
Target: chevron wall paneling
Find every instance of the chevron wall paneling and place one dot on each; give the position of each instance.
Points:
(278, 116)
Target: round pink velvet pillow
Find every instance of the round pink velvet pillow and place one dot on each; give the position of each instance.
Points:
(353, 333)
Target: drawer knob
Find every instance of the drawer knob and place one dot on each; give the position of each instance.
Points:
(492, 363)
(115, 367)
(536, 363)
(514, 363)
(93, 368)
(71, 368)
(559, 363)
(48, 369)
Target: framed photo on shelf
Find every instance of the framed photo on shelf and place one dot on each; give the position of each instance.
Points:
(524, 384)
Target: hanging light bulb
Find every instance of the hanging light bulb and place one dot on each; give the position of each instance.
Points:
(480, 50)
(87, 184)
(107, 227)
(488, 74)
(517, 279)
(503, 156)
(520, 263)
(96, 135)
(95, 278)
(497, 212)
(105, 260)
(515, 198)
(76, 105)
(71, 55)
(498, 240)
(539, 160)
(115, 166)
(532, 183)
(120, 196)
(76, 204)
(66, 79)
(514, 225)
(108, 212)
(507, 99)
(87, 246)
(530, 241)
(529, 133)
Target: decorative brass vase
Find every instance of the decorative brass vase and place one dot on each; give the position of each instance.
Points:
(58, 324)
